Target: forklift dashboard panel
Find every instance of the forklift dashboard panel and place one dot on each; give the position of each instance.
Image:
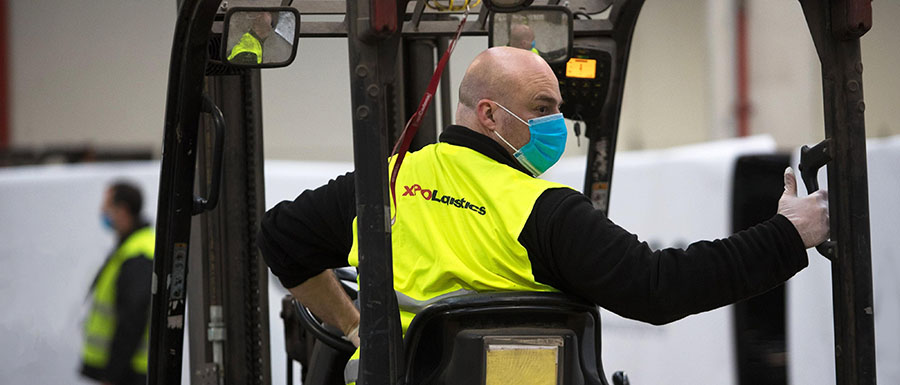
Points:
(584, 82)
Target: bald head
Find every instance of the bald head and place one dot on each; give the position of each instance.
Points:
(516, 78)
(521, 36)
(262, 25)
(497, 71)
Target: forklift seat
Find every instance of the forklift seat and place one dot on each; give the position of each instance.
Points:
(546, 338)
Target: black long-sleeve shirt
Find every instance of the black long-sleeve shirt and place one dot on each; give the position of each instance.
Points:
(571, 246)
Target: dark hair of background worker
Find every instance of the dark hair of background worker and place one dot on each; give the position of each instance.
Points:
(124, 207)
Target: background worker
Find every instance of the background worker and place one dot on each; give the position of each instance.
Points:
(116, 330)
(472, 218)
(522, 36)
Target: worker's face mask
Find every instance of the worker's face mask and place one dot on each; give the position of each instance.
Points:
(106, 221)
(546, 145)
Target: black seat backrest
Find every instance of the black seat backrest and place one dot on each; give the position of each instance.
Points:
(449, 341)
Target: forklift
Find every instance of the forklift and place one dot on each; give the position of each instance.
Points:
(214, 108)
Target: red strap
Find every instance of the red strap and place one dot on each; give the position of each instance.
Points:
(412, 126)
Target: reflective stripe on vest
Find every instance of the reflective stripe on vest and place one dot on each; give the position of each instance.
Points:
(248, 44)
(351, 371)
(100, 326)
(459, 216)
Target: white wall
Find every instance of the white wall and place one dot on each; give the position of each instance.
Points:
(785, 77)
(95, 72)
(881, 58)
(665, 99)
(785, 81)
(89, 72)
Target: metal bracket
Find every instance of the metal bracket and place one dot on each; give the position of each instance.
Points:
(208, 375)
(417, 13)
(215, 334)
(850, 19)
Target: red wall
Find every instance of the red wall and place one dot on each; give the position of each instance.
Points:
(4, 75)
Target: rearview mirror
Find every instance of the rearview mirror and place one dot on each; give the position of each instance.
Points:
(261, 37)
(544, 30)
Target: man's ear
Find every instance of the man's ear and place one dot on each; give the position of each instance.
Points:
(484, 111)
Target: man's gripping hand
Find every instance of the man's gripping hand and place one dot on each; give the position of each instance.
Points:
(808, 214)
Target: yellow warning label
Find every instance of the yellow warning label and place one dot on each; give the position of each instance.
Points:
(522, 365)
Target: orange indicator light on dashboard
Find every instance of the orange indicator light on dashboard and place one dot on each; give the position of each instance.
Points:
(581, 68)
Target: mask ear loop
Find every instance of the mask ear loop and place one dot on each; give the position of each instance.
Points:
(515, 116)
(511, 113)
(504, 141)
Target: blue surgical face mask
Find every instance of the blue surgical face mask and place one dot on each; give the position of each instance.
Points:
(546, 145)
(107, 221)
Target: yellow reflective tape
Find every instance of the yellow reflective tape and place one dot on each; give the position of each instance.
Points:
(97, 341)
(104, 309)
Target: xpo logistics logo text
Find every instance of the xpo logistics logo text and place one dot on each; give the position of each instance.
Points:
(432, 196)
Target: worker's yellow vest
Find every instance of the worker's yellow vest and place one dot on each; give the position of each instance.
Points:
(459, 216)
(248, 43)
(101, 322)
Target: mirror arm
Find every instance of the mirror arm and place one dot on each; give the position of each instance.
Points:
(592, 27)
(483, 16)
(417, 13)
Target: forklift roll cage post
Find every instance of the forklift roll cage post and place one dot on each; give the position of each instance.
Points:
(375, 30)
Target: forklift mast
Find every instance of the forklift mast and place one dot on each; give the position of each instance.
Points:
(213, 108)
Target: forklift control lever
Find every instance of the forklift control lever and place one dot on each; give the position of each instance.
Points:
(620, 378)
(811, 160)
(577, 127)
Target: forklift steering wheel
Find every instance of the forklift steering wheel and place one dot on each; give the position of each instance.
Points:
(327, 334)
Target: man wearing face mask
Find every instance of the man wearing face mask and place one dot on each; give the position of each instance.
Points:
(117, 327)
(472, 217)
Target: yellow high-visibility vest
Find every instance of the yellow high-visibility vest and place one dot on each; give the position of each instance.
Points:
(101, 322)
(249, 44)
(459, 216)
